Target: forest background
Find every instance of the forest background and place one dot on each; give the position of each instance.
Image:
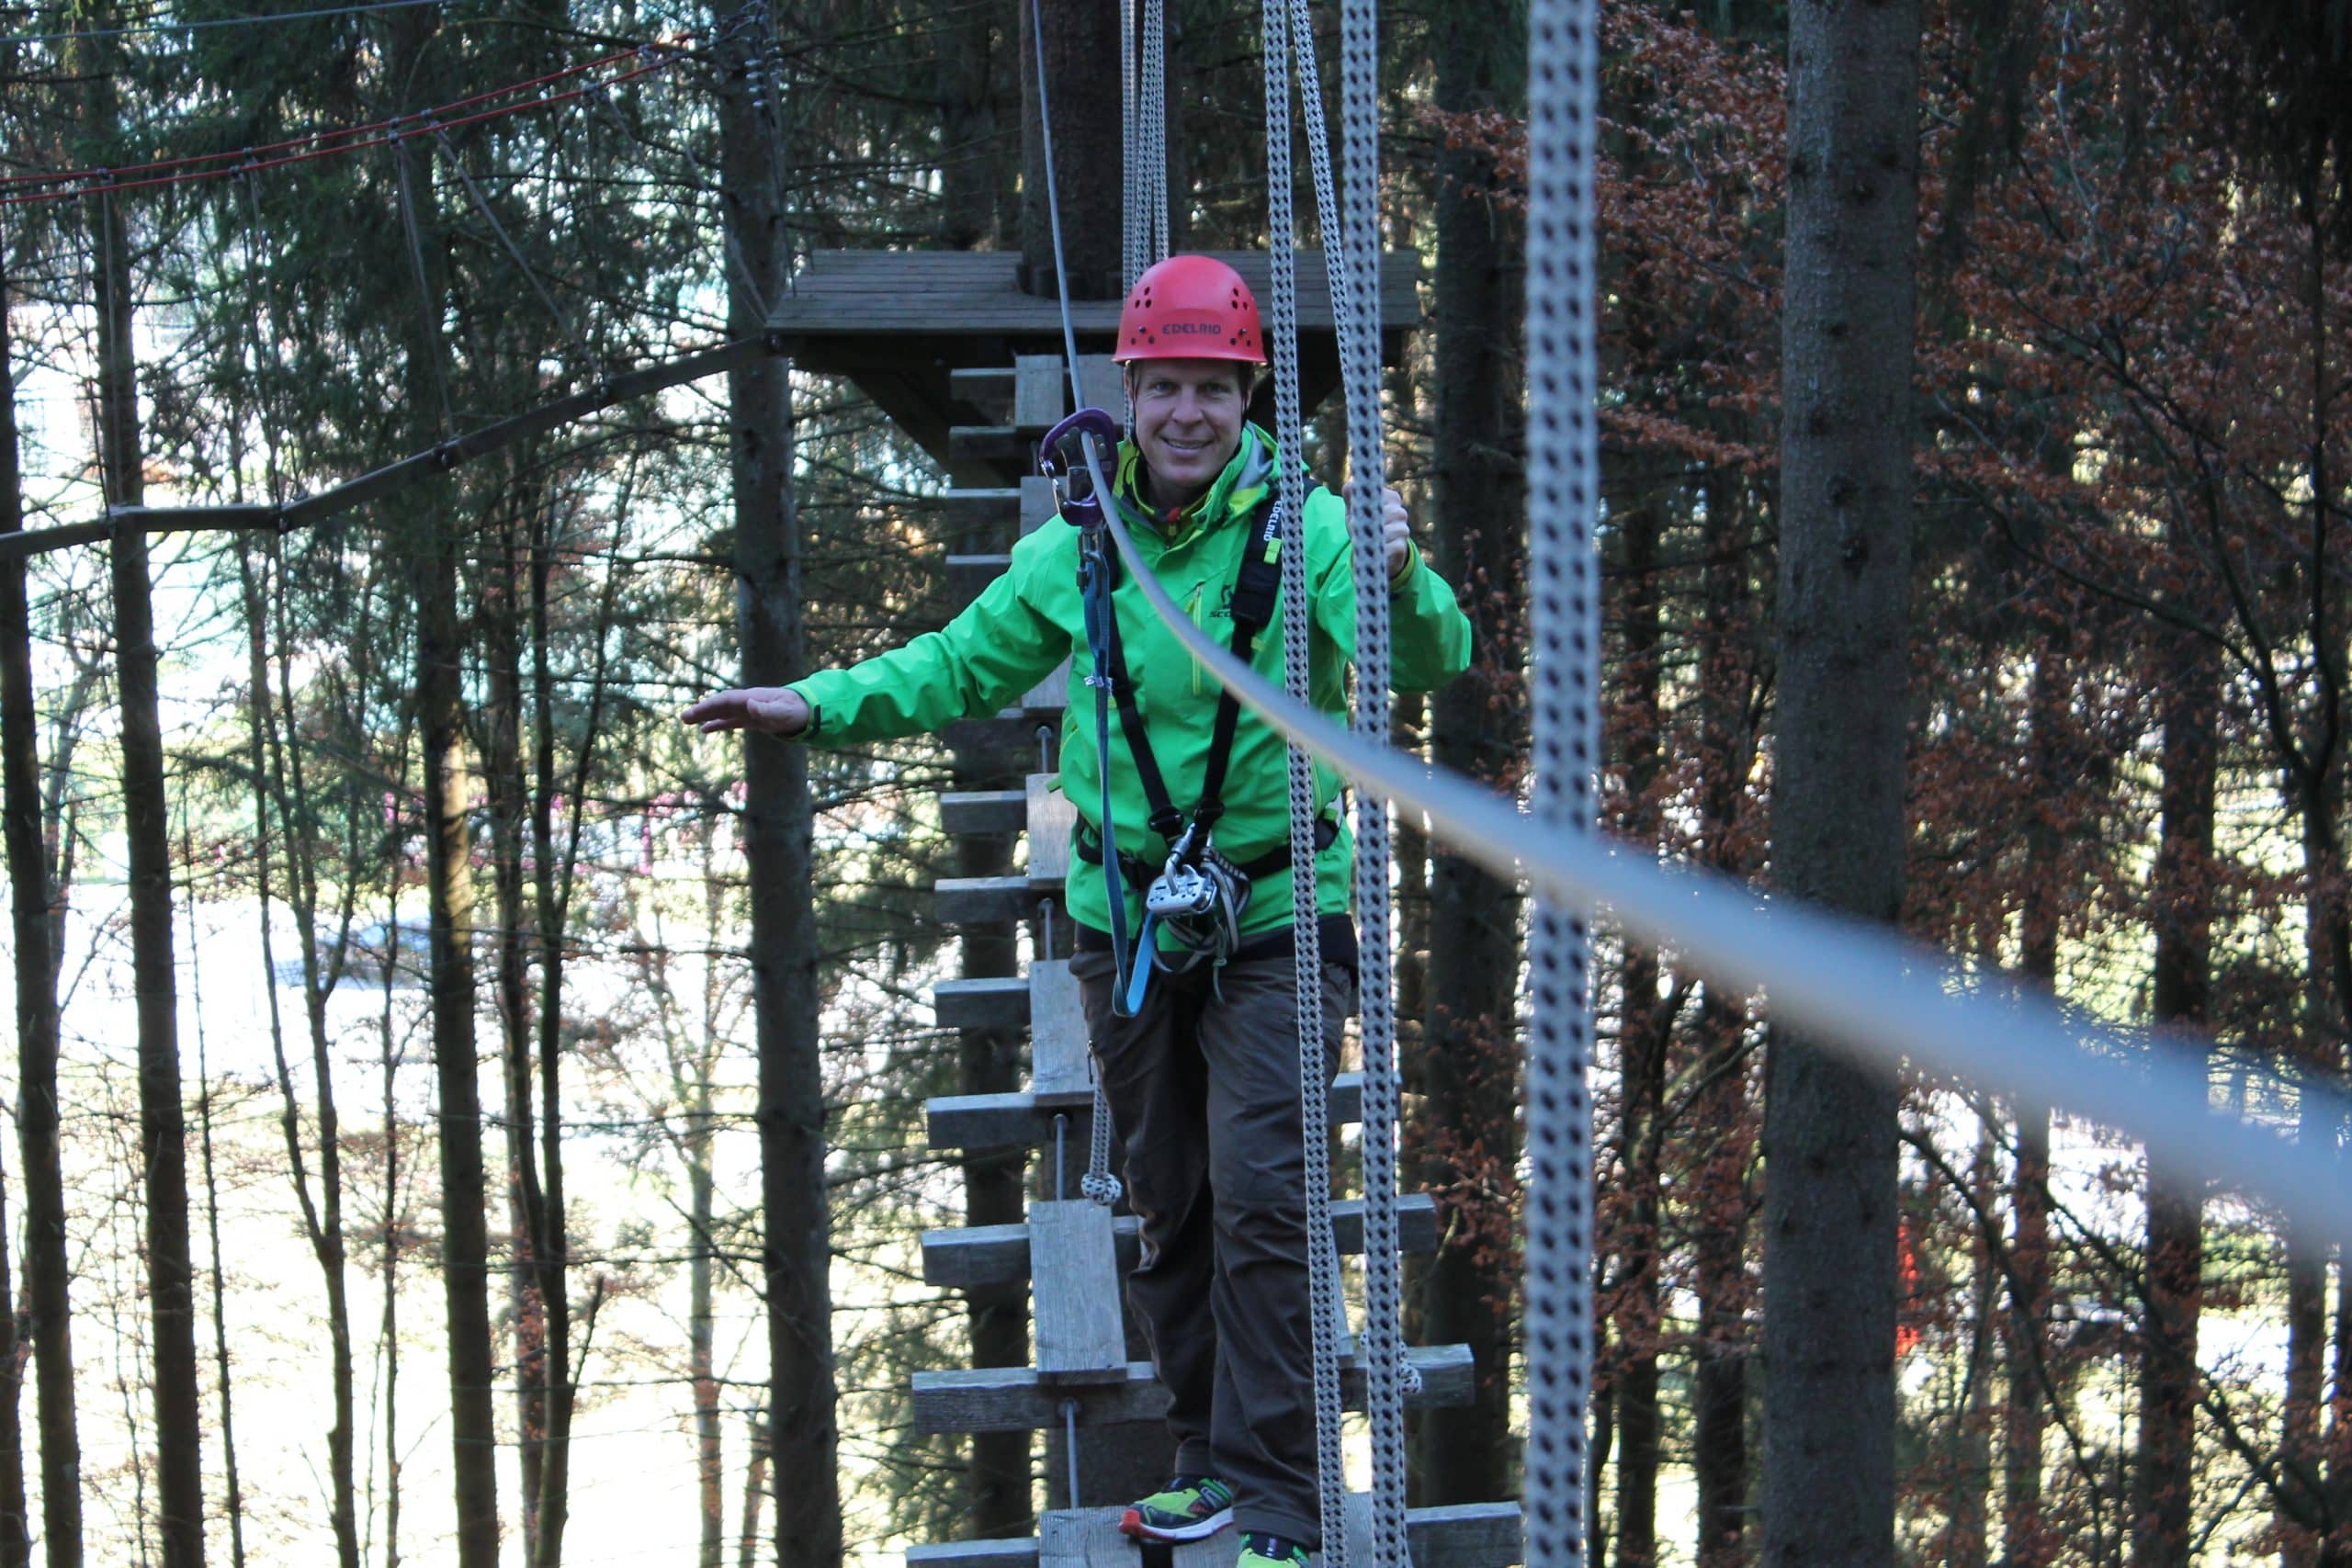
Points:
(510, 1203)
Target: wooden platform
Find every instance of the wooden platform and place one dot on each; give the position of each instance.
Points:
(1472, 1535)
(901, 324)
(1012, 1399)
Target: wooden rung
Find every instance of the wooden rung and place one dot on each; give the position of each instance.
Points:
(1050, 695)
(999, 1255)
(1103, 383)
(983, 901)
(1074, 1293)
(989, 1003)
(968, 576)
(1057, 1044)
(1013, 1399)
(1040, 392)
(986, 389)
(1051, 819)
(1000, 443)
(1460, 1535)
(1026, 1120)
(1036, 502)
(1002, 741)
(984, 810)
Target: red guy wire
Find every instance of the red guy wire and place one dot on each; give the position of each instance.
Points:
(104, 179)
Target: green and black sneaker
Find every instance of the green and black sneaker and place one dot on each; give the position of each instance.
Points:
(1260, 1550)
(1191, 1507)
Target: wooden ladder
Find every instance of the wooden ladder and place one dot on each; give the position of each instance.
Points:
(1075, 1254)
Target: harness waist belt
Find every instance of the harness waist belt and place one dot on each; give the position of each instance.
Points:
(1140, 872)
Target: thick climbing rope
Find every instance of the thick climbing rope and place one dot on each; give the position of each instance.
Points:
(1143, 94)
(1329, 1313)
(1563, 493)
(1382, 1349)
(1098, 1183)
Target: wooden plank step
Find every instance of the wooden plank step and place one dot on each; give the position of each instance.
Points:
(1044, 1000)
(1057, 1041)
(1074, 1294)
(1052, 818)
(1012, 1399)
(977, 508)
(1026, 1120)
(968, 576)
(986, 389)
(1004, 740)
(983, 901)
(999, 1255)
(984, 810)
(1460, 1535)
(1004, 444)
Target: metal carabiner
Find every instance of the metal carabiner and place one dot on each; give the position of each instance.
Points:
(1063, 472)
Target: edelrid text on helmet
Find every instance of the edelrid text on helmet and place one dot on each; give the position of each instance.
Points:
(1191, 307)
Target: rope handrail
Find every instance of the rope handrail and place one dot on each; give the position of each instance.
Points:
(1873, 993)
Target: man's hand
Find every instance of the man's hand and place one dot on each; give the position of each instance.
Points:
(1396, 531)
(771, 710)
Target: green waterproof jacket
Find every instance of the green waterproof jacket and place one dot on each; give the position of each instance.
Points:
(1030, 619)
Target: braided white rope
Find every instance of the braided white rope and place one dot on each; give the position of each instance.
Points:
(1330, 1311)
(1154, 187)
(1563, 502)
(1384, 1349)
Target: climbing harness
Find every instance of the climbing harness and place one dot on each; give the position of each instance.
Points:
(1199, 895)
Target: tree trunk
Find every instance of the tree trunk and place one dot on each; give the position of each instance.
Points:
(1468, 1117)
(1837, 805)
(1721, 1111)
(163, 1124)
(500, 623)
(1082, 83)
(1643, 1034)
(449, 887)
(277, 781)
(796, 1247)
(2026, 1541)
(971, 164)
(47, 1321)
(2165, 1473)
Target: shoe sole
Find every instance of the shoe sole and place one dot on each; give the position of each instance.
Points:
(1132, 1524)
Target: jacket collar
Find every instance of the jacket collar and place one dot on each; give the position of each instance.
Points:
(1246, 480)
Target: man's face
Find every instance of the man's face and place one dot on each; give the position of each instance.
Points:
(1188, 422)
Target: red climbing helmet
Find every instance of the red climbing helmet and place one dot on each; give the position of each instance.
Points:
(1191, 308)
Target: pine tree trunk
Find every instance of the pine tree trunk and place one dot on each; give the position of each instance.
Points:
(501, 635)
(2026, 1541)
(1837, 807)
(47, 1318)
(1718, 1222)
(2165, 1469)
(16, 1533)
(1642, 1039)
(449, 887)
(1081, 53)
(163, 1124)
(796, 1249)
(1468, 1118)
(971, 167)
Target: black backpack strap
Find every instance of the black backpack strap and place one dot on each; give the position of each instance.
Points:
(1166, 821)
(1255, 587)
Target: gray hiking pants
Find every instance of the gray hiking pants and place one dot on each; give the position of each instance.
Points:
(1203, 1092)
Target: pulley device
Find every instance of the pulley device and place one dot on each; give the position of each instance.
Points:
(1197, 896)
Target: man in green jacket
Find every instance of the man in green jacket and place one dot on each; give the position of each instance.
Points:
(1203, 1081)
